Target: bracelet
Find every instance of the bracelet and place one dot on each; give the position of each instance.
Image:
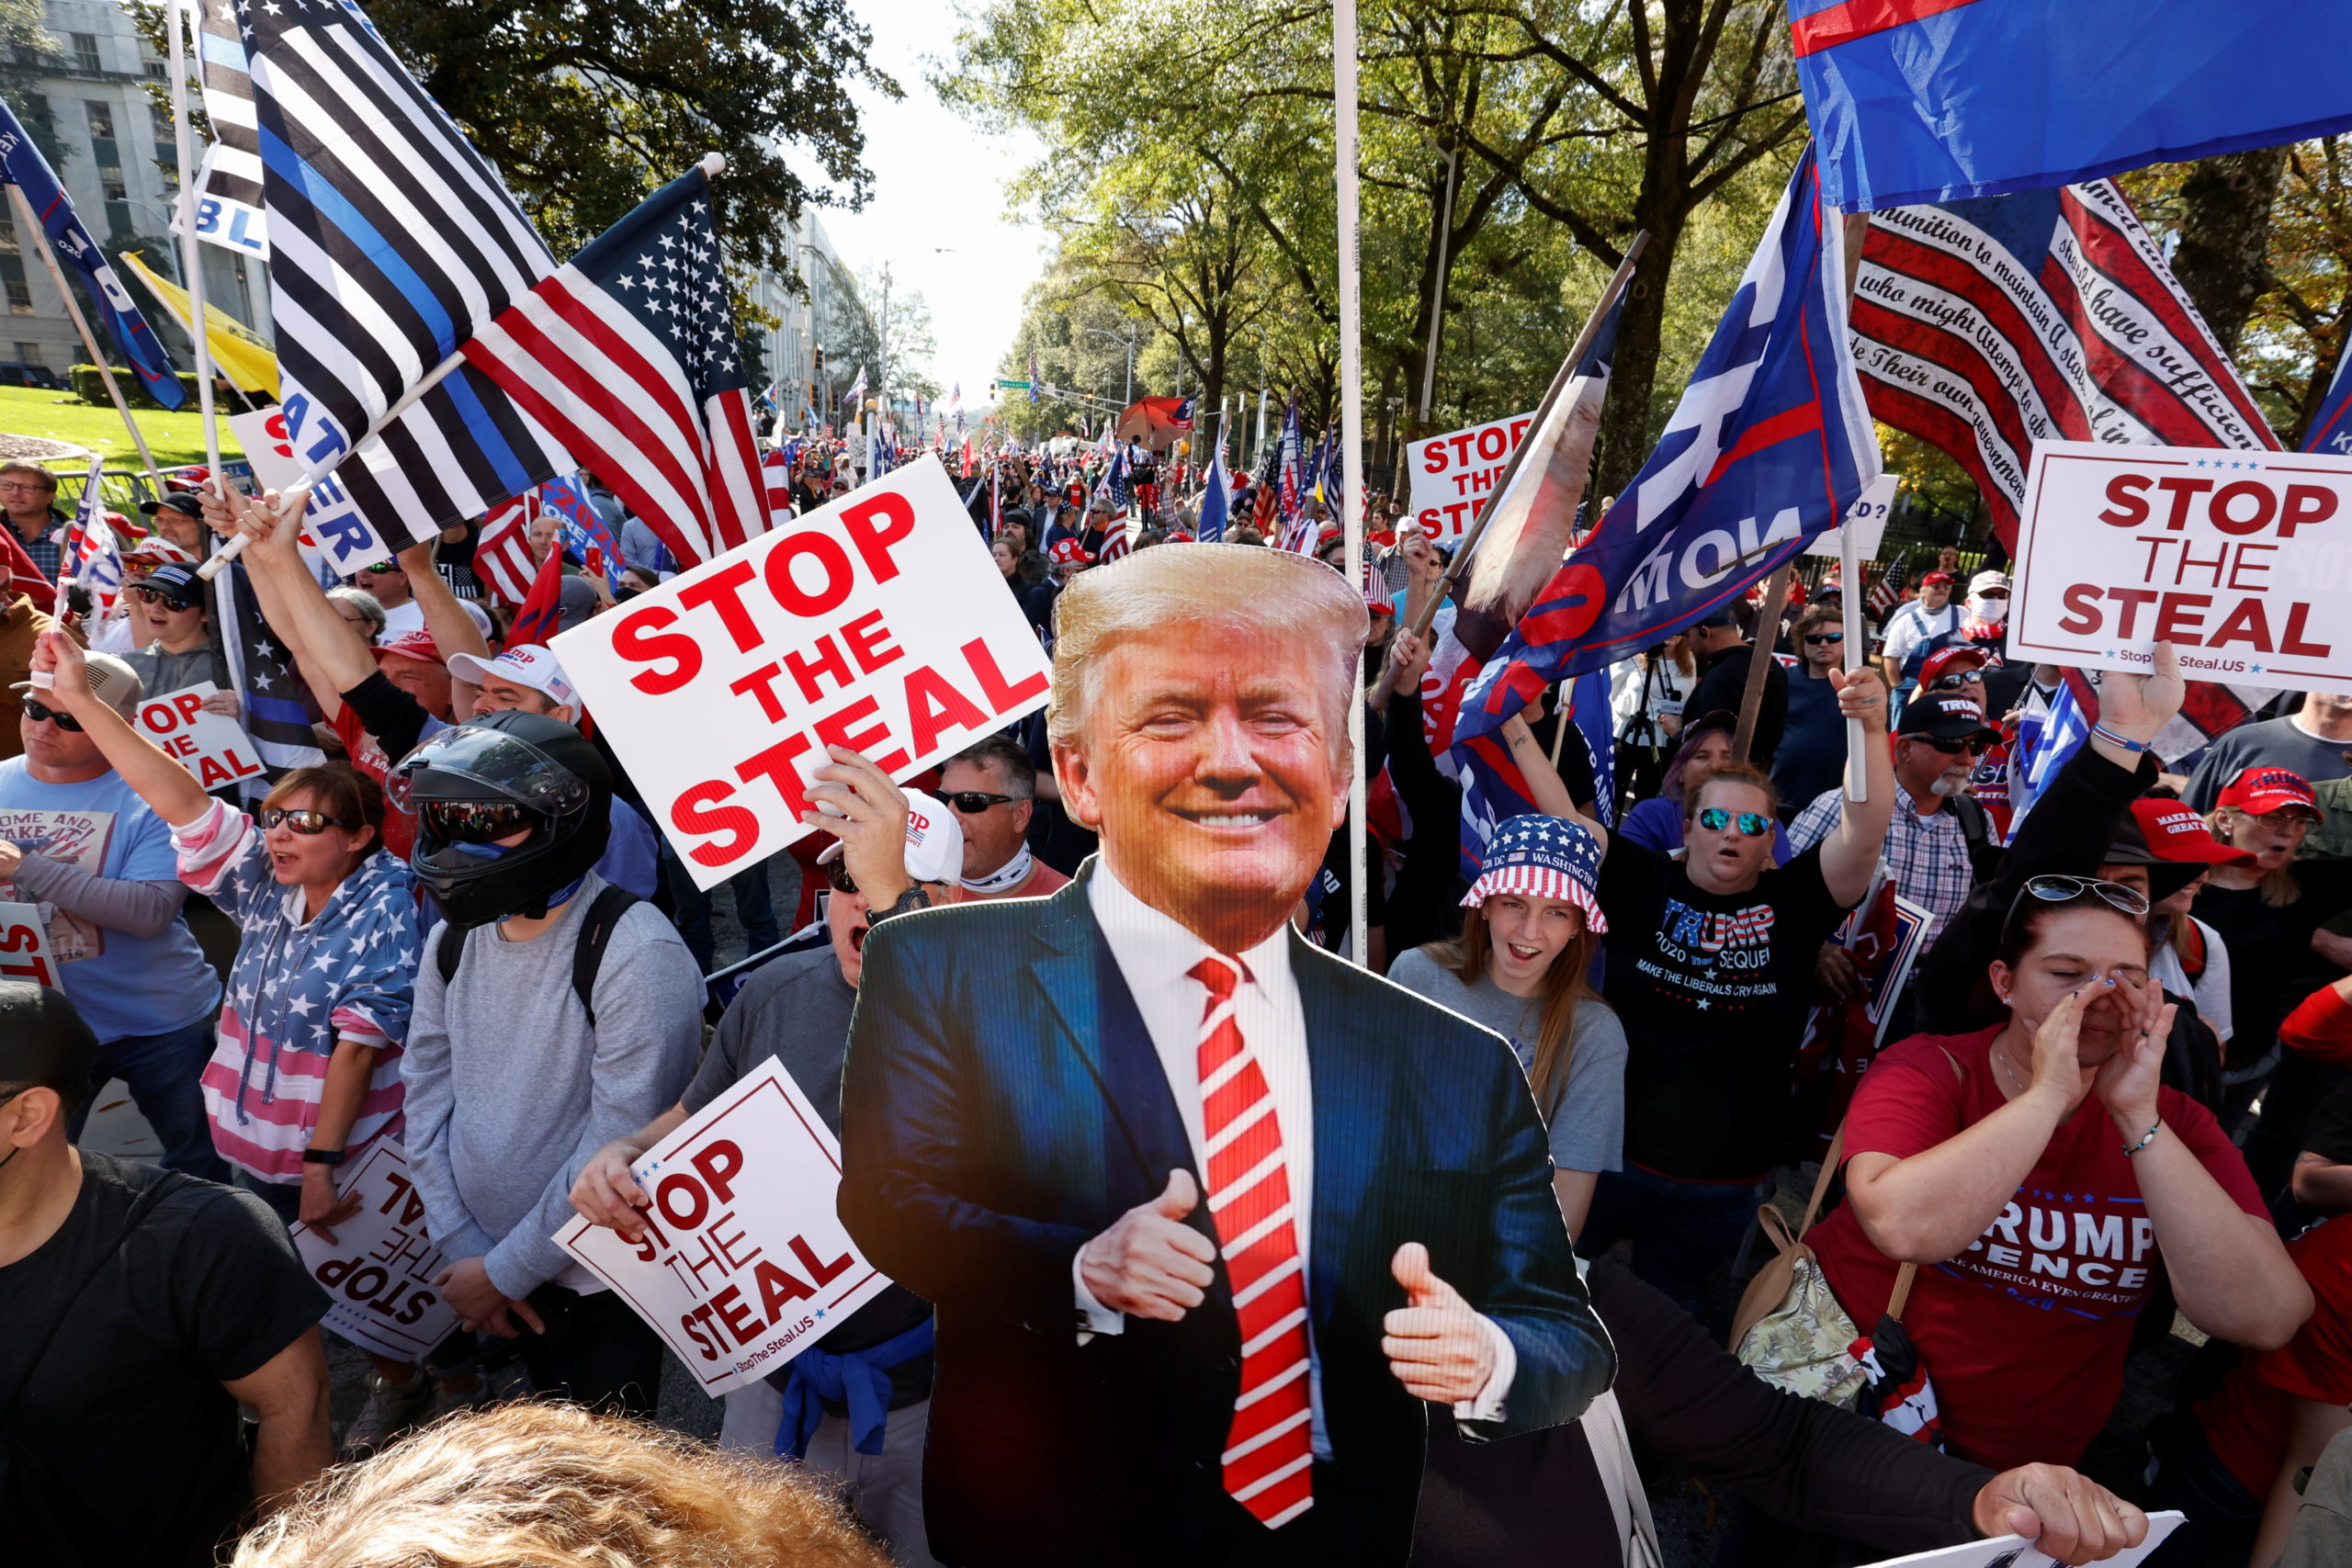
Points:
(2102, 732)
(322, 1156)
(2131, 1149)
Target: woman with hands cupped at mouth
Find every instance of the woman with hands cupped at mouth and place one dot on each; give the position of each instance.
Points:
(2040, 1175)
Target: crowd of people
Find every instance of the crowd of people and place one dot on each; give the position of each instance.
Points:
(2107, 1090)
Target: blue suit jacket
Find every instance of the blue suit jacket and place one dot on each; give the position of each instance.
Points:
(1002, 1104)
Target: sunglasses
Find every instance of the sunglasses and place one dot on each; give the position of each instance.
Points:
(1949, 747)
(304, 820)
(1819, 638)
(40, 714)
(2052, 888)
(157, 596)
(382, 568)
(838, 878)
(1752, 824)
(1956, 681)
(475, 821)
(972, 802)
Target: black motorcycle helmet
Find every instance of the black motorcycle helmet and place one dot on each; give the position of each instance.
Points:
(475, 784)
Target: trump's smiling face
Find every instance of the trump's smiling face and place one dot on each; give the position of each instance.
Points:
(1211, 764)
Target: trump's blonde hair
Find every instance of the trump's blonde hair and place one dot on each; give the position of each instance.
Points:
(553, 1486)
(1213, 592)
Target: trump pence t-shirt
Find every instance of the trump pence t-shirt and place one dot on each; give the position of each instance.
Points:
(2024, 1333)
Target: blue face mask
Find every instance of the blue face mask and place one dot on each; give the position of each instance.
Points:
(485, 851)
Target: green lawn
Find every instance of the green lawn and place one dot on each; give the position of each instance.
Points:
(174, 438)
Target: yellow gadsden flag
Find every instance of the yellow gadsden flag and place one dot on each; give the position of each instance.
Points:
(248, 362)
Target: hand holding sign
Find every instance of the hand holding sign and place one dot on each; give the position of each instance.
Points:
(1436, 1343)
(856, 802)
(2063, 1512)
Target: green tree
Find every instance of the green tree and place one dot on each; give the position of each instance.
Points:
(586, 108)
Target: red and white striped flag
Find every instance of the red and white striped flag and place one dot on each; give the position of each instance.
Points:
(629, 355)
(503, 553)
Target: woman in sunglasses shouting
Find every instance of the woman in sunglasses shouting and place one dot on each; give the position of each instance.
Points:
(1711, 959)
(305, 1069)
(2040, 1176)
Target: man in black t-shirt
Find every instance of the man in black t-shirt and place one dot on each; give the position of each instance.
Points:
(1710, 970)
(142, 1306)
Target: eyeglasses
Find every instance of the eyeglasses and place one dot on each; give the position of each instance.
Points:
(1956, 681)
(40, 714)
(2052, 888)
(1971, 746)
(972, 802)
(475, 821)
(26, 489)
(1818, 637)
(302, 819)
(1752, 824)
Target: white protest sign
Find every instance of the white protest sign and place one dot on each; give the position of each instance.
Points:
(743, 1264)
(2015, 1551)
(1454, 473)
(331, 528)
(2240, 560)
(877, 623)
(1867, 517)
(377, 1273)
(213, 747)
(24, 946)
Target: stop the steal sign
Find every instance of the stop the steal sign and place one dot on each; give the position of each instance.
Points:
(877, 623)
(2241, 560)
(744, 1263)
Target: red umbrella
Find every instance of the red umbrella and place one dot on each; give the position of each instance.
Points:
(1153, 421)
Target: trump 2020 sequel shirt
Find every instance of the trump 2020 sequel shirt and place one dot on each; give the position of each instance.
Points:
(1713, 990)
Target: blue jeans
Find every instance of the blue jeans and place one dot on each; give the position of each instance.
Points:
(162, 1071)
(1681, 1230)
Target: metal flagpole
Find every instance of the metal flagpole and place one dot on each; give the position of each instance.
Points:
(31, 223)
(1343, 98)
(191, 248)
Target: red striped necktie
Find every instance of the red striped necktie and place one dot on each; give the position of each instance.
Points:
(1269, 1449)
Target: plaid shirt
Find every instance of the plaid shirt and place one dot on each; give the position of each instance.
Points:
(1927, 857)
(47, 547)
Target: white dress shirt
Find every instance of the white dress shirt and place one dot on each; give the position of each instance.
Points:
(1156, 955)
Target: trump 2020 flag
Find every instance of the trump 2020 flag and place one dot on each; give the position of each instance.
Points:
(1929, 100)
(22, 165)
(1216, 502)
(1769, 446)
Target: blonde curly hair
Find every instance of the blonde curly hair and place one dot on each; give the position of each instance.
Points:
(553, 1486)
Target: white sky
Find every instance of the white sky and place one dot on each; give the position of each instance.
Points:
(938, 181)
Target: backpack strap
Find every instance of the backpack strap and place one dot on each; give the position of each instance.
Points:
(449, 950)
(596, 935)
(1973, 825)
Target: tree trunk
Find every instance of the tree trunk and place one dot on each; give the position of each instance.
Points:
(2223, 260)
(1624, 438)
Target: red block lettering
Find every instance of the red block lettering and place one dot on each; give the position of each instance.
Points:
(723, 591)
(869, 640)
(639, 638)
(1001, 697)
(827, 660)
(934, 707)
(831, 559)
(874, 527)
(775, 764)
(720, 1164)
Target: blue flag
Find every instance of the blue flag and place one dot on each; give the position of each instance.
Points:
(582, 525)
(1930, 100)
(1769, 446)
(1216, 502)
(2331, 430)
(23, 166)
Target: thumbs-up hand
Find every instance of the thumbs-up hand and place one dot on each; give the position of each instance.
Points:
(1151, 1264)
(1436, 1343)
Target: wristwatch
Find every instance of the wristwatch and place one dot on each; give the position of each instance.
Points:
(914, 898)
(322, 1156)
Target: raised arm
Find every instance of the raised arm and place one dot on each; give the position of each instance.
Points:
(332, 655)
(169, 790)
(452, 629)
(1850, 854)
(1544, 785)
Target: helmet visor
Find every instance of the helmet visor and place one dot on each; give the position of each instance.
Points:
(505, 768)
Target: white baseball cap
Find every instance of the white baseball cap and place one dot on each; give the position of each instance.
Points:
(934, 842)
(534, 667)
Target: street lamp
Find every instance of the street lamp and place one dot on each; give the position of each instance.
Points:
(1130, 342)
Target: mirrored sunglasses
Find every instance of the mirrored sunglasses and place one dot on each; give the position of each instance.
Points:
(1752, 824)
(302, 819)
(2052, 888)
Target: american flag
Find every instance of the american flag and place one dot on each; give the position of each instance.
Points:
(1887, 592)
(1983, 325)
(629, 353)
(503, 554)
(392, 241)
(230, 177)
(92, 555)
(1292, 480)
